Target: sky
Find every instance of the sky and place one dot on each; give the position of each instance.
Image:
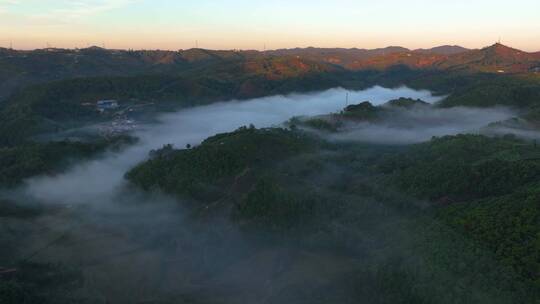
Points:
(256, 24)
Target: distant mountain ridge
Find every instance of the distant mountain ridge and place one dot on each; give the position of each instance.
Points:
(354, 57)
(497, 58)
(444, 50)
(21, 68)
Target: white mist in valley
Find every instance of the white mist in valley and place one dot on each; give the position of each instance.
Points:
(419, 124)
(98, 180)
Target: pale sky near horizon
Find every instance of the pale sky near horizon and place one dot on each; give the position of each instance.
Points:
(252, 24)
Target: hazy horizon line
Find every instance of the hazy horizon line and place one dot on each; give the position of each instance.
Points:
(51, 47)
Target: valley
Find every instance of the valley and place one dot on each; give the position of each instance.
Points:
(286, 176)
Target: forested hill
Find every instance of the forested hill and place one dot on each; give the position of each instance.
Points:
(469, 203)
(21, 68)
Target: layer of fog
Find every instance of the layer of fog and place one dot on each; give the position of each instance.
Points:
(516, 126)
(133, 252)
(419, 124)
(97, 180)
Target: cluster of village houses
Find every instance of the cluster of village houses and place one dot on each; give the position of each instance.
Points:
(103, 105)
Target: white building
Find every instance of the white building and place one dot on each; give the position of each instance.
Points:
(104, 105)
